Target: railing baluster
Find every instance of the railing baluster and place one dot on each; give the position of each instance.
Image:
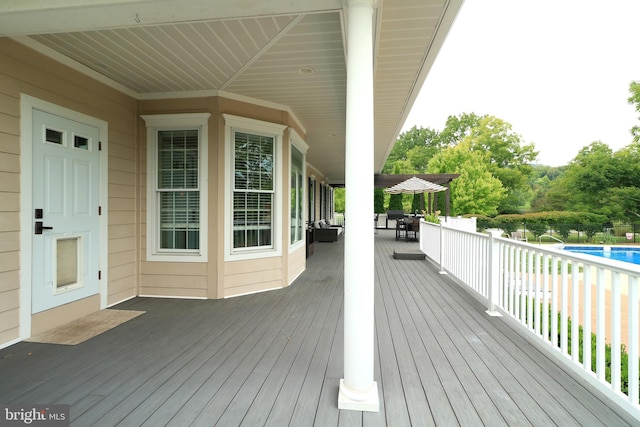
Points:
(615, 331)
(545, 297)
(575, 312)
(530, 289)
(512, 281)
(554, 301)
(504, 269)
(518, 283)
(524, 286)
(586, 323)
(600, 325)
(564, 312)
(633, 348)
(537, 296)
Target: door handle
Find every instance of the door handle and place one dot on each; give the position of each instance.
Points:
(39, 227)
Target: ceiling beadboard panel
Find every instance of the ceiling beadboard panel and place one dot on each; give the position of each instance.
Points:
(170, 58)
(294, 59)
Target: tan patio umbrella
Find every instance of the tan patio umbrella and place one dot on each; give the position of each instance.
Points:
(415, 185)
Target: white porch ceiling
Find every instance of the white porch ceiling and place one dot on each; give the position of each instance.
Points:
(165, 48)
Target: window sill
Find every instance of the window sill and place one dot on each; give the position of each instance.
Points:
(176, 257)
(248, 255)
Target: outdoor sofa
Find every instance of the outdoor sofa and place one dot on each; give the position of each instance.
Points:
(323, 231)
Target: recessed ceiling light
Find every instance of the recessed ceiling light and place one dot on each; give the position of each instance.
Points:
(305, 71)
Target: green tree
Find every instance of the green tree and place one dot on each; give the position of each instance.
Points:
(509, 159)
(338, 199)
(541, 181)
(417, 203)
(476, 190)
(586, 182)
(412, 151)
(600, 181)
(395, 202)
(458, 128)
(378, 200)
(634, 89)
(625, 177)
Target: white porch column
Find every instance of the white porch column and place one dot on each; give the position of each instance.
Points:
(358, 391)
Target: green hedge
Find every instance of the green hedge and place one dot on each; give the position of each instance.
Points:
(539, 223)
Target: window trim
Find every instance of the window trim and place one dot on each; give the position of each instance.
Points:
(252, 126)
(160, 122)
(296, 141)
(312, 197)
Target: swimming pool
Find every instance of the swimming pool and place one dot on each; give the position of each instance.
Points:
(626, 254)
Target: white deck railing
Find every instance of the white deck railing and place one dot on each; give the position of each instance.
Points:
(544, 289)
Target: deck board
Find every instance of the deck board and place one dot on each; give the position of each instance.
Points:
(275, 359)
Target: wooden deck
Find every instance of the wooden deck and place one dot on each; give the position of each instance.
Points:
(275, 359)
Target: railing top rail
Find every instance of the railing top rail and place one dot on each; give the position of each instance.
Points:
(592, 260)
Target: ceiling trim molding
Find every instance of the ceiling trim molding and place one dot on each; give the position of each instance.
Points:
(262, 103)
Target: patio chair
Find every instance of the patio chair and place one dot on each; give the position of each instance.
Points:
(401, 230)
(517, 235)
(413, 229)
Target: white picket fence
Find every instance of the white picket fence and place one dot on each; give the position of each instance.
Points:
(544, 289)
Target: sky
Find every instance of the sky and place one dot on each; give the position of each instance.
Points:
(557, 71)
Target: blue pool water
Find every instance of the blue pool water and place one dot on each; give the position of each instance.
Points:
(625, 254)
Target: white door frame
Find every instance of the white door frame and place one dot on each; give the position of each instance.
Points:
(27, 105)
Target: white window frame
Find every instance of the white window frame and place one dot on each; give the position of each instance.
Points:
(257, 127)
(312, 199)
(163, 122)
(297, 142)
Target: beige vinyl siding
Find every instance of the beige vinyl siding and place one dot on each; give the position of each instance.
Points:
(174, 279)
(123, 209)
(9, 210)
(297, 263)
(23, 70)
(60, 315)
(245, 277)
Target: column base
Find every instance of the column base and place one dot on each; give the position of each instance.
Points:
(353, 400)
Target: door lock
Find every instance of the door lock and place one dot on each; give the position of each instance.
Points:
(39, 227)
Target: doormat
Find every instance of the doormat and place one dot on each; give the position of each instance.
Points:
(87, 327)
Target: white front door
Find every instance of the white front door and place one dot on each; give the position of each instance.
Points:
(66, 194)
